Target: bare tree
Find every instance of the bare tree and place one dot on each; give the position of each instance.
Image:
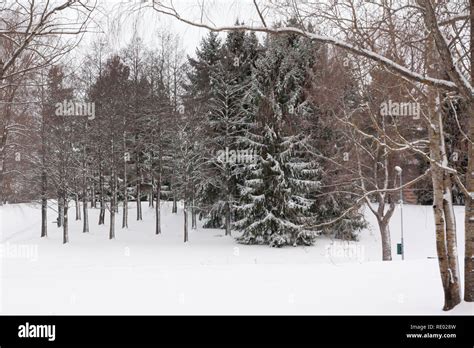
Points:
(34, 36)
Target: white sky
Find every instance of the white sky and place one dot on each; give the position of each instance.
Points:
(116, 20)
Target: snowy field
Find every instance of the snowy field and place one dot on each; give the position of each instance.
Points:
(141, 273)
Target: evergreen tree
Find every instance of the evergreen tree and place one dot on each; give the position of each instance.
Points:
(276, 204)
(197, 100)
(208, 55)
(228, 121)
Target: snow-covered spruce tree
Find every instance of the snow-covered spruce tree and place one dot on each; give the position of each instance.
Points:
(199, 76)
(330, 207)
(224, 118)
(276, 204)
(228, 121)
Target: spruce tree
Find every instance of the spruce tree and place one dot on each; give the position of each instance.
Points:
(276, 203)
(228, 121)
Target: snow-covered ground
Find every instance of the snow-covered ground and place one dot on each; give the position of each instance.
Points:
(141, 273)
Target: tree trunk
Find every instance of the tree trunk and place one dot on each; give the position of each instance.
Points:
(44, 180)
(150, 194)
(174, 210)
(451, 239)
(444, 220)
(450, 221)
(125, 198)
(44, 204)
(125, 173)
(227, 219)
(102, 199)
(85, 225)
(113, 202)
(442, 200)
(158, 207)
(139, 203)
(112, 215)
(193, 214)
(228, 212)
(469, 216)
(78, 207)
(60, 219)
(447, 263)
(386, 241)
(194, 219)
(44, 217)
(3, 142)
(139, 197)
(185, 211)
(65, 221)
(93, 200)
(125, 213)
(469, 205)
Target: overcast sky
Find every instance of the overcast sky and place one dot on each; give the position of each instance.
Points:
(116, 20)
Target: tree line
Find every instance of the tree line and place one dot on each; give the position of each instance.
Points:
(282, 138)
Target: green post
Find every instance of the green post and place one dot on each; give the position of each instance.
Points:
(399, 249)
